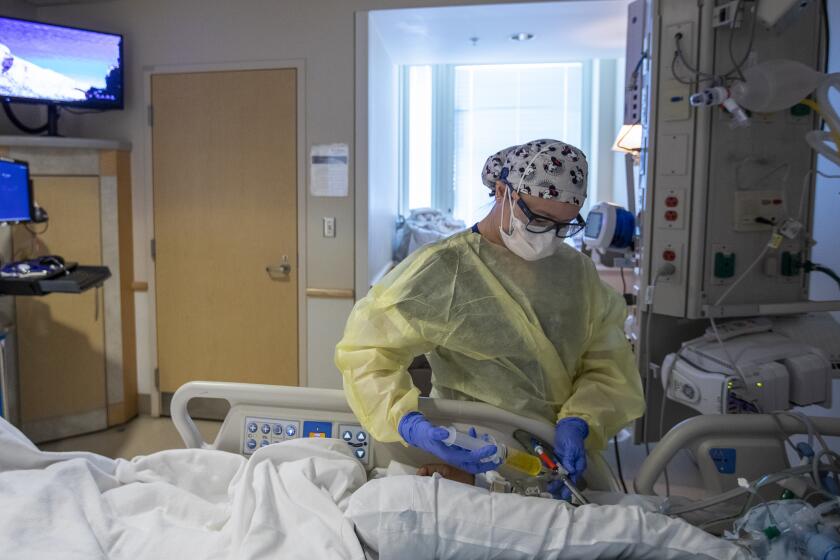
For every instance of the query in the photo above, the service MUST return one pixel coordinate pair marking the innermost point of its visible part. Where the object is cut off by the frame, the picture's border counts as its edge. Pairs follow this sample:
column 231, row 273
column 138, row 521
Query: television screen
column 15, row 193
column 45, row 63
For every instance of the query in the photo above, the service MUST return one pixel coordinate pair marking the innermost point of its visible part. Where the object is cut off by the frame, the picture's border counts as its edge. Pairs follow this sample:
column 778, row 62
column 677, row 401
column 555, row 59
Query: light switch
column 329, row 227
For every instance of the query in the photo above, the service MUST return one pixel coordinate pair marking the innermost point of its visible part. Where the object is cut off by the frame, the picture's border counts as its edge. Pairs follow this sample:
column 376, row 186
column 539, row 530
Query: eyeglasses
column 542, row 224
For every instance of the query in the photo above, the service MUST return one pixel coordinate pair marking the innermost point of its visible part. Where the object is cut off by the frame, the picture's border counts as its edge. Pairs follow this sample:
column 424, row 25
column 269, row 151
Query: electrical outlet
column 671, row 206
column 671, row 254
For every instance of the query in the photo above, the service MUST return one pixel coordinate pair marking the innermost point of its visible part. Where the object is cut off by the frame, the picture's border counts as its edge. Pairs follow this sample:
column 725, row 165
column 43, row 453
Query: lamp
column 629, row 141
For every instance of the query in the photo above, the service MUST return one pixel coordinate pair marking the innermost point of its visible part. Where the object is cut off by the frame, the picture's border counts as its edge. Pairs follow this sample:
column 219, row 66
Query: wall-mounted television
column 57, row 65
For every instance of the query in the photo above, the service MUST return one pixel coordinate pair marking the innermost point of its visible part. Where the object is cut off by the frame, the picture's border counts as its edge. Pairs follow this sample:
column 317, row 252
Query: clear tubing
column 825, row 142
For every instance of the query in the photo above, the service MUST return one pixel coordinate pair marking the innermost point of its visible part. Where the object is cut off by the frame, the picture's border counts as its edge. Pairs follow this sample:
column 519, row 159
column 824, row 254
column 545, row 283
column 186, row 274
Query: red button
column 671, row 215
column 672, row 202
column 669, row 255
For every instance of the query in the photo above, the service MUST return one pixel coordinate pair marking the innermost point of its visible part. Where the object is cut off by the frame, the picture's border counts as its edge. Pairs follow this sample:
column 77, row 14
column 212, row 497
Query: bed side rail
column 694, row 430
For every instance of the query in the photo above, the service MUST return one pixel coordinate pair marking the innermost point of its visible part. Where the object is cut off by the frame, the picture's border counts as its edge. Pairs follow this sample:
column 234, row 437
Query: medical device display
column 744, row 367
column 518, row 460
column 609, row 227
column 43, row 63
column 260, row 432
column 15, row 192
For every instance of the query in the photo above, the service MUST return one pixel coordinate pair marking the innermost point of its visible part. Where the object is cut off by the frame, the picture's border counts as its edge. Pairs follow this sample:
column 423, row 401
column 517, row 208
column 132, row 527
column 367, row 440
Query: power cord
column 667, row 269
column 618, row 464
column 809, row 267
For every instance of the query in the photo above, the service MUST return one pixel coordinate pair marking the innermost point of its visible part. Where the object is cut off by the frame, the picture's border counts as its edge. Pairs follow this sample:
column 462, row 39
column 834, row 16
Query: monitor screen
column 593, row 225
column 44, row 63
column 15, row 194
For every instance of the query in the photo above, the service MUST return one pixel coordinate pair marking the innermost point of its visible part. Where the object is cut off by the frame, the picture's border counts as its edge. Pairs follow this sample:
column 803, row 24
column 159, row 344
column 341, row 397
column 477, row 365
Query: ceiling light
column 522, row 36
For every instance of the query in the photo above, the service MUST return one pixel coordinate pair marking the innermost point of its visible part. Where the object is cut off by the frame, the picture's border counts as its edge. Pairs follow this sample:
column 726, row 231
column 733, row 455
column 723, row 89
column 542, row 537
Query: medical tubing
column 618, row 464
column 661, row 429
column 666, row 269
column 827, row 271
column 735, row 492
column 821, row 546
column 739, row 65
column 816, row 462
column 817, row 138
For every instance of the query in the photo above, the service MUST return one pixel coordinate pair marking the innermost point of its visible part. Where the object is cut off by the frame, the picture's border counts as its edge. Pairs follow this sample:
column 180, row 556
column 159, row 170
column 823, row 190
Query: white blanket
column 286, row 502
column 293, row 500
column 424, row 517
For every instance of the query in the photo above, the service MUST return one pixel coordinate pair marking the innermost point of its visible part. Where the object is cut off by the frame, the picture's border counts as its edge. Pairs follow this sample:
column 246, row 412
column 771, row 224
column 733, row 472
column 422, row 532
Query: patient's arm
column 447, row 471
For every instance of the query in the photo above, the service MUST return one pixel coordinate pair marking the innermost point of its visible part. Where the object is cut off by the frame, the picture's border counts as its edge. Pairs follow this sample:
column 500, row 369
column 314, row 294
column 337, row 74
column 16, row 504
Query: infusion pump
column 747, row 367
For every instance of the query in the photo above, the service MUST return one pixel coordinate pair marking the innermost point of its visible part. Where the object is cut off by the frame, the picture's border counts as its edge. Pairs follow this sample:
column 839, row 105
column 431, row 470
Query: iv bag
column 775, row 85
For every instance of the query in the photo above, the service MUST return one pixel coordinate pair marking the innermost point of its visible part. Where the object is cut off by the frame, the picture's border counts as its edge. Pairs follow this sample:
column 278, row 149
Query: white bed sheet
column 293, row 500
column 286, row 502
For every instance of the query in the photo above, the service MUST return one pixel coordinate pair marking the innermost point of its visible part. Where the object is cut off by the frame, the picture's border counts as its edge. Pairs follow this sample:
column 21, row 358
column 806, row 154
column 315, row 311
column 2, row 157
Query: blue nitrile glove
column 569, row 435
column 416, row 430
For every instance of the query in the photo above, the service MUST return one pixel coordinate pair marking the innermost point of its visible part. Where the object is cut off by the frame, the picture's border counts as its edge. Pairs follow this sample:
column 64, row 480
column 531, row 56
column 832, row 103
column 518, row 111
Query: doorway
column 444, row 88
column 225, row 182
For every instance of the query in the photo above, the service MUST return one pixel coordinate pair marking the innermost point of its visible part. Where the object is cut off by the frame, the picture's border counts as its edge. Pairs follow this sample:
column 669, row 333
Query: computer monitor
column 15, row 192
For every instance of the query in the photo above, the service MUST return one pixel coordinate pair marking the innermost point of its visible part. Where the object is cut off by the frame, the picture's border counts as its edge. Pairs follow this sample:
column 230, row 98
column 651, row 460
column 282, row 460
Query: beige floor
column 141, row 436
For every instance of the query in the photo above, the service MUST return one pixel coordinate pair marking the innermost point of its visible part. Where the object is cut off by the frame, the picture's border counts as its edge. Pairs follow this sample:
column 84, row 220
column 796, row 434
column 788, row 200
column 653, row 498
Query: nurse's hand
column 416, row 430
column 569, row 435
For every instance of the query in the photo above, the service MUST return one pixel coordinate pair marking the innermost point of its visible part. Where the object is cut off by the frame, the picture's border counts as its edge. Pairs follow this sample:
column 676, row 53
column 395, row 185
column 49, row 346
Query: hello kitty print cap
column 545, row 168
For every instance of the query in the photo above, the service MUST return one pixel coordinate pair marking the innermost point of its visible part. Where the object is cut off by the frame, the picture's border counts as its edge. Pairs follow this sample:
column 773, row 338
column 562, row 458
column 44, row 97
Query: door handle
column 279, row 271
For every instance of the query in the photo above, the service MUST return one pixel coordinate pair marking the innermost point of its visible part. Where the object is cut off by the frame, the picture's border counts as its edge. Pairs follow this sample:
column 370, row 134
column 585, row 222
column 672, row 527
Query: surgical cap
column 546, row 168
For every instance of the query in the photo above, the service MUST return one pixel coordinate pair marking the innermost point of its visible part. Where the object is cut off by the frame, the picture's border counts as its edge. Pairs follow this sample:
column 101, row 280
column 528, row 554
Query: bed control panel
column 262, row 431
column 357, row 438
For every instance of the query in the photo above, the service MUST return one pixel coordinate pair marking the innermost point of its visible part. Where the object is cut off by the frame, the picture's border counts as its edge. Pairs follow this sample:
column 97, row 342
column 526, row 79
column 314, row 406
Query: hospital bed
column 724, row 447
column 260, row 415
column 318, row 495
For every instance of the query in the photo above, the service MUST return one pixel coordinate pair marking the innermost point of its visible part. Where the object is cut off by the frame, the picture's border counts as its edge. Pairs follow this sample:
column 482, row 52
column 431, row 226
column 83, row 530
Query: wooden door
column 225, row 206
column 61, row 337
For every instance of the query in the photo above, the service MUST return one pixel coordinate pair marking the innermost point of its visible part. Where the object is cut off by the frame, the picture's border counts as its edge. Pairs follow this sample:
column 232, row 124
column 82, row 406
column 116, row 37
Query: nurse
column 507, row 313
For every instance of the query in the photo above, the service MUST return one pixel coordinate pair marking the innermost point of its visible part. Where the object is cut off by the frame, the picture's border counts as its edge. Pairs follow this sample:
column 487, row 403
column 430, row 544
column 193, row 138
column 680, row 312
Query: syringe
column 523, row 462
column 561, row 473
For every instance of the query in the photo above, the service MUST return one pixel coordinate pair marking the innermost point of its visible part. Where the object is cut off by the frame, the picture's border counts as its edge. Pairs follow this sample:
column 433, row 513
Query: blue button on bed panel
column 312, row 428
column 724, row 459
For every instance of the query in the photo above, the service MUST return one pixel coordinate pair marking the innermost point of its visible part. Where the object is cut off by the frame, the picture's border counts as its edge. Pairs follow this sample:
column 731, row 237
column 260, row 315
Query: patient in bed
column 447, row 513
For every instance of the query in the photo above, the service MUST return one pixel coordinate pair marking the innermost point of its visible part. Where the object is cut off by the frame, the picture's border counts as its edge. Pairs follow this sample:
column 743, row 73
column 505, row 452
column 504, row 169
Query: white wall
column 827, row 207
column 826, row 210
column 383, row 157
column 186, row 32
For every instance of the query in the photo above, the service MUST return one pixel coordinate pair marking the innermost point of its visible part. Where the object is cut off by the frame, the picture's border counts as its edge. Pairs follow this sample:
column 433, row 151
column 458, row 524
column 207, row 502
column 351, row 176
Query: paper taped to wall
column 328, row 176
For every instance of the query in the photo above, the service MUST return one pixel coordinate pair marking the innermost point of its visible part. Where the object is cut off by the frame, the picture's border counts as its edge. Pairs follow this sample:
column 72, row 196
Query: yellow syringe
column 512, row 458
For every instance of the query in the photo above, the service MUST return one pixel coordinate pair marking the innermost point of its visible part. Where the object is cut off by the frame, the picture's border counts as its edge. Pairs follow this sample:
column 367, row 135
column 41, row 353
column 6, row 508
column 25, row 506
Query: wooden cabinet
column 76, row 360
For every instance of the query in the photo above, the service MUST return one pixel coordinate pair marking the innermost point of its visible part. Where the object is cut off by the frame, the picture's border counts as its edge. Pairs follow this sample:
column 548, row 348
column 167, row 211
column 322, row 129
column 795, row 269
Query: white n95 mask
column 526, row 244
